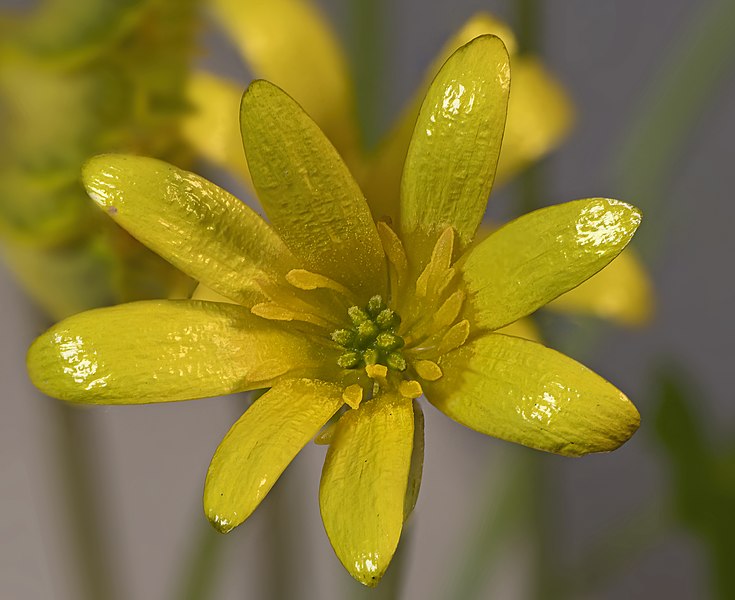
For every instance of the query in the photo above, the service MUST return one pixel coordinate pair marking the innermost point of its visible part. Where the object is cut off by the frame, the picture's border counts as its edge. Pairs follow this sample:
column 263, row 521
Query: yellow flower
column 289, row 43
column 342, row 316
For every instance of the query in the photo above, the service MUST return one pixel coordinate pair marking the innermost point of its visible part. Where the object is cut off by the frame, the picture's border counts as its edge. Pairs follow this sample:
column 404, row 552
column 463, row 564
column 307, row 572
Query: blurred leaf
column 703, row 474
column 680, row 430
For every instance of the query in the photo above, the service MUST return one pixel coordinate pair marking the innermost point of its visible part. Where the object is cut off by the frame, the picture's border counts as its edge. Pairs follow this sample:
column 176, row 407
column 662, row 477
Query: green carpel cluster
column 372, row 339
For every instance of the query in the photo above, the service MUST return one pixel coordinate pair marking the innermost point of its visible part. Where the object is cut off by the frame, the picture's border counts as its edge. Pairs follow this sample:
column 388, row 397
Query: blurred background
column 106, row 502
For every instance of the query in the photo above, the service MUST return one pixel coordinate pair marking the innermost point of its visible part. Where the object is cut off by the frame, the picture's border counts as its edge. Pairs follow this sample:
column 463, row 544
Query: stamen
column 435, row 275
column 352, row 395
column 448, row 311
column 455, row 337
column 377, row 372
column 306, row 280
column 410, row 389
column 427, row 369
column 275, row 312
column 396, row 255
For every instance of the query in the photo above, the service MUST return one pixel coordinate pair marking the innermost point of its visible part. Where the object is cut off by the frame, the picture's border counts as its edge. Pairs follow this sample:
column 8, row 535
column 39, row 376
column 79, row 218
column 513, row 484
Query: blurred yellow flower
column 289, row 43
column 342, row 316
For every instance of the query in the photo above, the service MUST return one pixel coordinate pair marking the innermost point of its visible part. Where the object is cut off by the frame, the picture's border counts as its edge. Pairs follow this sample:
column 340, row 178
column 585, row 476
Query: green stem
column 529, row 26
column 542, row 492
column 198, row 573
column 368, row 59
column 75, row 444
column 679, row 93
column 200, row 576
column 492, row 529
column 617, row 549
column 277, row 510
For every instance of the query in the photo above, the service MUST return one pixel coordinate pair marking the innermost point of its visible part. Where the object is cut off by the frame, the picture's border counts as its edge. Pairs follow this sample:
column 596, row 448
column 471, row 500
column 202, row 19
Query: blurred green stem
column 617, row 549
column 542, row 495
column 492, row 528
column 76, row 448
column 200, row 573
column 678, row 94
column 368, row 58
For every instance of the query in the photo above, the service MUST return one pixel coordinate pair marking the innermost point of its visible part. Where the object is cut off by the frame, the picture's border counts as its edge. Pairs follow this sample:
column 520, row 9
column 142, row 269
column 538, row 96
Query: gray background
column 151, row 460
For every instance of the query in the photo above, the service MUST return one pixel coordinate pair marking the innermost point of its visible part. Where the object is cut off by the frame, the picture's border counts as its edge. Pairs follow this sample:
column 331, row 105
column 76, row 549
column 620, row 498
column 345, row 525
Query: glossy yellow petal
column 539, row 116
column 620, row 292
column 539, row 256
column 289, row 43
column 455, row 146
column 521, row 391
column 364, row 484
column 165, row 350
column 261, row 444
column 212, row 126
column 308, row 193
column 198, row 227
column 382, row 181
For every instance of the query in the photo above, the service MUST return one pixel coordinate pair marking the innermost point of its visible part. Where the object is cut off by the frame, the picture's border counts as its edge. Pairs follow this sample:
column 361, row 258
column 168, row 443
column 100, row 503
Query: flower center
column 372, row 339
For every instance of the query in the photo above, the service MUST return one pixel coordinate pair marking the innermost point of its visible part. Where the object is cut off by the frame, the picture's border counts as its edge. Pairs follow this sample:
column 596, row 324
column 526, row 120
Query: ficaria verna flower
column 348, row 321
column 290, row 44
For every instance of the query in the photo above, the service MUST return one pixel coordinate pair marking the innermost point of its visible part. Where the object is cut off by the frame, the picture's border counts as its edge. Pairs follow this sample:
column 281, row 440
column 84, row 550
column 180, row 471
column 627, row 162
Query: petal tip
column 220, row 522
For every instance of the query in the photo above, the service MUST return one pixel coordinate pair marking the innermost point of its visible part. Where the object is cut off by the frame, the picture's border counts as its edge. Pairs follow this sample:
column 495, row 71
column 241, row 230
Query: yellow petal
column 289, row 43
column 165, row 350
column 364, row 485
column 212, row 126
column 521, row 391
column 308, row 193
column 382, row 181
column 620, row 292
column 198, row 227
column 455, row 146
column 539, row 256
column 261, row 444
column 539, row 116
